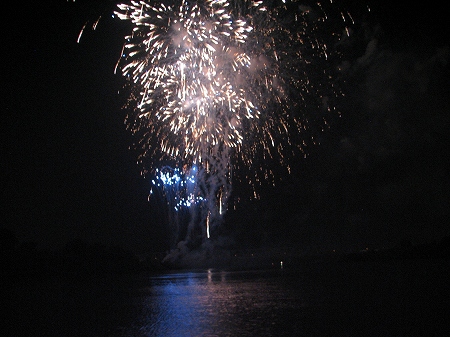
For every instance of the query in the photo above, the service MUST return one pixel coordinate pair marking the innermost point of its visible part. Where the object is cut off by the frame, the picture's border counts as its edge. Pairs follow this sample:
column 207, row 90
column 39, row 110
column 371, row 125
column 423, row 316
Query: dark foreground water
column 402, row 298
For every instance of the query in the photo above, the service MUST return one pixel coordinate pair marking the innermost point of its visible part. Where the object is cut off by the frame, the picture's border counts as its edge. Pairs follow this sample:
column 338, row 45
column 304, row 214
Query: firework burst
column 216, row 84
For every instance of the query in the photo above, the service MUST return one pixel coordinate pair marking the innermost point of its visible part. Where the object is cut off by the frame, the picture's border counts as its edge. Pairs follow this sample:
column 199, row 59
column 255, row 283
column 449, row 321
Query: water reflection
column 342, row 299
column 215, row 303
column 407, row 298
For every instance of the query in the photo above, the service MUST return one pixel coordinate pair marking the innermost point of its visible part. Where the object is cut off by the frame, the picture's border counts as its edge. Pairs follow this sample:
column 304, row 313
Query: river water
column 403, row 298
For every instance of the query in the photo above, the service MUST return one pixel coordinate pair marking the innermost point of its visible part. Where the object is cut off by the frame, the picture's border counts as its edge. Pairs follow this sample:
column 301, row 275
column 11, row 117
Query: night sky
column 379, row 177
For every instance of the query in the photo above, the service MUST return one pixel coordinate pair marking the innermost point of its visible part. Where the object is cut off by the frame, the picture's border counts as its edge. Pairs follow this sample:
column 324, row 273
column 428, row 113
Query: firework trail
column 218, row 85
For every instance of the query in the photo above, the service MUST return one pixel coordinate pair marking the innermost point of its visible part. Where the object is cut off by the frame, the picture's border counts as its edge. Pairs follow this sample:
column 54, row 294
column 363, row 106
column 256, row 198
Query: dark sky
column 380, row 175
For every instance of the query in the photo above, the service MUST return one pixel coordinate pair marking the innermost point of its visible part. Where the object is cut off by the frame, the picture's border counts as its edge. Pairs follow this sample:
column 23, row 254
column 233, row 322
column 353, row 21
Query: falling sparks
column 218, row 85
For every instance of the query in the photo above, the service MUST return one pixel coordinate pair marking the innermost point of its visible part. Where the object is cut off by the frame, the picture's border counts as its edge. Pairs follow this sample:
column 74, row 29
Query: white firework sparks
column 218, row 83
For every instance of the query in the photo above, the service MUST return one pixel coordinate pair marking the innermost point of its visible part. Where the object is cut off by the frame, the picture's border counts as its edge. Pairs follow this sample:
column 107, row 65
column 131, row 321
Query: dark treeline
column 25, row 259
column 80, row 258
column 406, row 250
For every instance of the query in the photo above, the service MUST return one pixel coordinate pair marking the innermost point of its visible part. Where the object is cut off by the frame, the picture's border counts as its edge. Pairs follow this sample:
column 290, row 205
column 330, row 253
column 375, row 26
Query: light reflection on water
column 218, row 303
column 405, row 298
column 380, row 299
